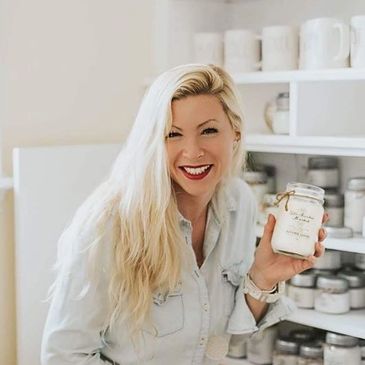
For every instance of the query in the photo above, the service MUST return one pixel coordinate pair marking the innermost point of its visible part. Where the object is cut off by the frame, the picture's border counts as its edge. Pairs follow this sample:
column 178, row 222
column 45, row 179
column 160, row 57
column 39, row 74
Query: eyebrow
column 200, row 125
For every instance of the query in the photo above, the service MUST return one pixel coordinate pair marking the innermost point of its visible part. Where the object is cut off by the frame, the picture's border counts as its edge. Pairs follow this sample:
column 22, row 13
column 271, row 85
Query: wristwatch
column 268, row 296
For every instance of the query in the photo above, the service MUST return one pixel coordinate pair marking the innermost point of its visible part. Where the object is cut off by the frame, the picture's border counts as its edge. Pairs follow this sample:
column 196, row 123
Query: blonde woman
column 158, row 265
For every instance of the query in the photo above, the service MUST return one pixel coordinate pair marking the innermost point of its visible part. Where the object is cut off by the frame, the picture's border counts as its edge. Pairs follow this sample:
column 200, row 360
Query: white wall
column 71, row 72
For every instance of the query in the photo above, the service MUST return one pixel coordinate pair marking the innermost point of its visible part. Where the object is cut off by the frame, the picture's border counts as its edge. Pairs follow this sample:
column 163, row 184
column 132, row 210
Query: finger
column 322, row 234
column 268, row 230
column 319, row 249
column 325, row 218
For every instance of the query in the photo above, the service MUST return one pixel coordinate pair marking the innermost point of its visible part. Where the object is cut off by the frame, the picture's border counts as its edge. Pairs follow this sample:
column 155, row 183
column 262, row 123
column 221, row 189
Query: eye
column 173, row 134
column 210, row 131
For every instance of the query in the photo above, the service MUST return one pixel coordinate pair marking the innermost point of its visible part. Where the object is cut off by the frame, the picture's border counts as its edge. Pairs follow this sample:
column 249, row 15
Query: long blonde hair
column 135, row 206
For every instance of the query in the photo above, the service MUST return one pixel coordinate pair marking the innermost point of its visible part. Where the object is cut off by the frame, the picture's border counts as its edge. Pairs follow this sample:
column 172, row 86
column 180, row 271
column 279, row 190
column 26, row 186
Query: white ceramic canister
column 323, row 172
column 258, row 183
column 281, row 119
column 271, row 176
column 355, row 203
column 310, row 354
column 334, row 206
column 286, row 352
column 237, row 346
column 260, row 346
column 330, row 260
column 268, row 207
column 332, row 295
column 299, row 219
column 341, row 349
column 360, row 261
column 301, row 289
column 356, row 282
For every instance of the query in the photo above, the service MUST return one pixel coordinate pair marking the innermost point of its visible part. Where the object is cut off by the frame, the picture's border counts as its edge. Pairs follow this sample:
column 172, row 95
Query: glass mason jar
column 286, row 352
column 301, row 289
column 311, row 354
column 355, row 203
column 332, row 295
column 341, row 349
column 299, row 219
column 323, row 172
column 330, row 260
column 280, row 123
column 257, row 180
column 334, row 206
column 356, row 282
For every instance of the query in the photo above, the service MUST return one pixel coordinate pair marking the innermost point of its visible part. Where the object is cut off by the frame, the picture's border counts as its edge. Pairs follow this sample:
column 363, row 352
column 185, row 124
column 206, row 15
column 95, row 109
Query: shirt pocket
column 231, row 281
column 167, row 313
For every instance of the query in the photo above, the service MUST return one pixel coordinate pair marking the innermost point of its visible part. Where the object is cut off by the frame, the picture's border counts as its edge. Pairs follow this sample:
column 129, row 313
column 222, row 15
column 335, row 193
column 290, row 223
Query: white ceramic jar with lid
column 286, row 352
column 332, row 295
column 330, row 260
column 341, row 349
column 281, row 120
column 311, row 354
column 270, row 171
column 334, row 206
column 257, row 180
column 323, row 172
column 301, row 289
column 356, row 282
column 355, row 204
column 299, row 219
column 268, row 207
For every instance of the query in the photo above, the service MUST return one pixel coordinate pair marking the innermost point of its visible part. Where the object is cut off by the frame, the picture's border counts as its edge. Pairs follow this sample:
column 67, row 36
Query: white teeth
column 197, row 170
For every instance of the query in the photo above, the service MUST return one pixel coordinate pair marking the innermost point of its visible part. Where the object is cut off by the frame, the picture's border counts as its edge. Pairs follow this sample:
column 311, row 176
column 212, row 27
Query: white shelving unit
column 6, row 183
column 326, row 106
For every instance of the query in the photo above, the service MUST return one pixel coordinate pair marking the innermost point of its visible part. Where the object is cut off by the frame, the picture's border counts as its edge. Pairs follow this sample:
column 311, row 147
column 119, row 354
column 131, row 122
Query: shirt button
column 202, row 340
column 205, row 307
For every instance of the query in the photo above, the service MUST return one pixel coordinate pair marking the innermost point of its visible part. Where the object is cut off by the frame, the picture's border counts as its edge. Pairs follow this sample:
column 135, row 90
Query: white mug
column 358, row 41
column 324, row 43
column 208, row 48
column 241, row 51
column 280, row 48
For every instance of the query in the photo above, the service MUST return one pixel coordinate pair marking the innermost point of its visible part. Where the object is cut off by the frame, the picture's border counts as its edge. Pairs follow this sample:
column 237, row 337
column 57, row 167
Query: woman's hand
column 269, row 267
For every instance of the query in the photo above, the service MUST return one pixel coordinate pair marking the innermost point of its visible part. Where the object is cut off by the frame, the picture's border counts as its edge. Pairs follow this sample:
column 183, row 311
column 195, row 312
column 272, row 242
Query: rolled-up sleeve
column 242, row 320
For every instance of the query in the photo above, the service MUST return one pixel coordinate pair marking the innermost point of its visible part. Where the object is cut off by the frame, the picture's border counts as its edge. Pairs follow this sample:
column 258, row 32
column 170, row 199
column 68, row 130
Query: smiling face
column 199, row 145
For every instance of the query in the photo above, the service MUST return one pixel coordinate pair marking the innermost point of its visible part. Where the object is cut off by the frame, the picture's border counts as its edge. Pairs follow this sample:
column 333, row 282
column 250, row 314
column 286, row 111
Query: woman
column 158, row 265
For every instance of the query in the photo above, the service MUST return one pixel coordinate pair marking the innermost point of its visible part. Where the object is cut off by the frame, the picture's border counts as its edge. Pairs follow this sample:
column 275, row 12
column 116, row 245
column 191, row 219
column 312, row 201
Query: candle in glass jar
column 298, row 220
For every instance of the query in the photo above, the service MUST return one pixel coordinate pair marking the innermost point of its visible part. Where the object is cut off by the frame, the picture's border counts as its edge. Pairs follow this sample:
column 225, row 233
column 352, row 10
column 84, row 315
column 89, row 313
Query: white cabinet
column 327, row 107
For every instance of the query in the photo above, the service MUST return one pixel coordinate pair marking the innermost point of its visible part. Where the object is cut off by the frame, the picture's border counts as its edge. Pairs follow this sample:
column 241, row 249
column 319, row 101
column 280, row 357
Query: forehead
column 197, row 109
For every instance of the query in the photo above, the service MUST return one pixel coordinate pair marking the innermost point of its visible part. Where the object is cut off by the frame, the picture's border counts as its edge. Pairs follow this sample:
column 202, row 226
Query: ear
column 237, row 137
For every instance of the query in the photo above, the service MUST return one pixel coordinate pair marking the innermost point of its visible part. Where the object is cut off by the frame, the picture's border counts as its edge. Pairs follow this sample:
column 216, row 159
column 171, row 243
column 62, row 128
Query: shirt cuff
column 242, row 320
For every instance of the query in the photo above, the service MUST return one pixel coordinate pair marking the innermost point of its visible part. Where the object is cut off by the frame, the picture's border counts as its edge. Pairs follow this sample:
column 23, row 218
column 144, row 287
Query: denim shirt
column 192, row 324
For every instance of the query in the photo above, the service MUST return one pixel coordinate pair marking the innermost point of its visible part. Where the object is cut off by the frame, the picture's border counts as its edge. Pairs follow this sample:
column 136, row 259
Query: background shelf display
column 342, row 323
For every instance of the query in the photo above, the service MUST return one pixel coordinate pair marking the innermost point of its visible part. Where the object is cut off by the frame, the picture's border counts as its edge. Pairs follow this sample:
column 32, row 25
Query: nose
column 192, row 148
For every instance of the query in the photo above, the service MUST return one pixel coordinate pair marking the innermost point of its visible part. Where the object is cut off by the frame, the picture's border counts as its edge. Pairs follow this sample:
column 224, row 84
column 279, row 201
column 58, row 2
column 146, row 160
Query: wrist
column 260, row 281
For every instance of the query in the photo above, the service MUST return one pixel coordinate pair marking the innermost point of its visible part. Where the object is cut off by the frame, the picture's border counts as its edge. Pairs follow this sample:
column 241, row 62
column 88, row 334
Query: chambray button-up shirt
column 192, row 324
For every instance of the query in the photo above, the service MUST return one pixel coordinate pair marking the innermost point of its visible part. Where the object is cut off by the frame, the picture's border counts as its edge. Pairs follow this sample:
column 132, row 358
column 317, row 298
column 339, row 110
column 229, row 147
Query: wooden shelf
column 351, row 323
column 262, row 77
column 330, row 146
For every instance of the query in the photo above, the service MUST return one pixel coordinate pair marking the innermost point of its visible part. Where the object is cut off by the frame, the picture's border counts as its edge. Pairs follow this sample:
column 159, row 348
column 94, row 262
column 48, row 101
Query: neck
column 192, row 208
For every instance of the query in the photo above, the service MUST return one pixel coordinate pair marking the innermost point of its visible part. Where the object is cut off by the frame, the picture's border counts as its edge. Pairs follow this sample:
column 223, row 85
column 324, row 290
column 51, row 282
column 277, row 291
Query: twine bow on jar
column 281, row 196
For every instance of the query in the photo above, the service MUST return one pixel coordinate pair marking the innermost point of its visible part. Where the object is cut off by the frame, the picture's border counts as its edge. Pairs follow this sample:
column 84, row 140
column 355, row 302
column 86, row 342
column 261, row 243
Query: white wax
column 354, row 209
column 296, row 230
